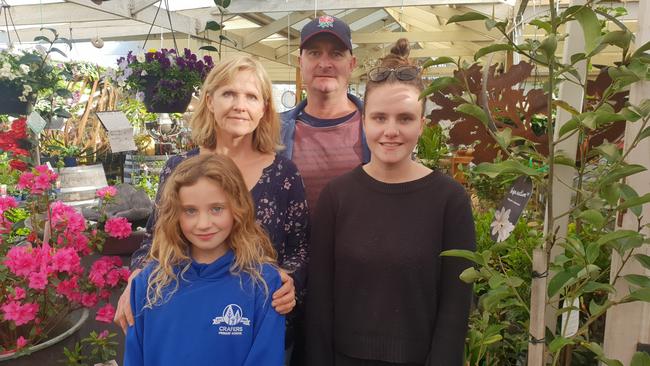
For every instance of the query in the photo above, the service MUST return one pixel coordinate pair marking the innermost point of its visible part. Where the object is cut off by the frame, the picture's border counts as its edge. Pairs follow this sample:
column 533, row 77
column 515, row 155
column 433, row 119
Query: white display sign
column 120, row 131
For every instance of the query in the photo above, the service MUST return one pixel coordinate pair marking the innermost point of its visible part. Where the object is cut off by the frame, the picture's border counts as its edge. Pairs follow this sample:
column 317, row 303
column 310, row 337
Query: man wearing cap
column 323, row 134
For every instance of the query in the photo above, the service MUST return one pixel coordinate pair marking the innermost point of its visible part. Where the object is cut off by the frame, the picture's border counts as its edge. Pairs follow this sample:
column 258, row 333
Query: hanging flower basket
column 10, row 103
column 155, row 105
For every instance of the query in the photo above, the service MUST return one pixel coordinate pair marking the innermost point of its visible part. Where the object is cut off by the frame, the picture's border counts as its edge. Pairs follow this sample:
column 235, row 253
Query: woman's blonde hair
column 170, row 249
column 266, row 137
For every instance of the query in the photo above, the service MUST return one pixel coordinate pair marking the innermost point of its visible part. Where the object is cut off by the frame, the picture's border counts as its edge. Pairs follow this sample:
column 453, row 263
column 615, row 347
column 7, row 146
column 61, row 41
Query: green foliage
column 499, row 327
column 96, row 348
column 431, row 145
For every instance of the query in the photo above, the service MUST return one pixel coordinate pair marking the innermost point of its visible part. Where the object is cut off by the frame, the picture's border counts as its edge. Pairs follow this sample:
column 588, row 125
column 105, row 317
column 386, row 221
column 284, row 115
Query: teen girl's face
column 205, row 219
column 238, row 106
column 393, row 123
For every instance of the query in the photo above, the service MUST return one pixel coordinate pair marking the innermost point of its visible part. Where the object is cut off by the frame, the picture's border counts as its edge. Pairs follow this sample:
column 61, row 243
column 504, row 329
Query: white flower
column 144, row 73
column 24, row 68
column 22, row 98
column 27, row 90
column 501, row 226
column 140, row 57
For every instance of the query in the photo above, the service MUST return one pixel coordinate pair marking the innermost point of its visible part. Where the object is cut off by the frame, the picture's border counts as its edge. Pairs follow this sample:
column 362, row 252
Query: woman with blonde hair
column 236, row 117
column 203, row 297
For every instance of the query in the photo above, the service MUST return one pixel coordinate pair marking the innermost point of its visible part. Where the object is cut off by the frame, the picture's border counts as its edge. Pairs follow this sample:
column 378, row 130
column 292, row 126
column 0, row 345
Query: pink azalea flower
column 118, row 227
column 20, row 261
column 37, row 280
column 113, row 277
column 106, row 313
column 21, row 342
column 66, row 217
column 19, row 294
column 106, row 192
column 103, row 334
column 20, row 314
column 7, row 202
column 68, row 287
column 25, row 180
column 66, row 260
column 89, row 300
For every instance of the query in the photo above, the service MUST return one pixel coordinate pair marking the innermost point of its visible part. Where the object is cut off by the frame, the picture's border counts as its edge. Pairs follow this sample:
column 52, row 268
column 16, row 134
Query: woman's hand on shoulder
column 284, row 299
column 123, row 314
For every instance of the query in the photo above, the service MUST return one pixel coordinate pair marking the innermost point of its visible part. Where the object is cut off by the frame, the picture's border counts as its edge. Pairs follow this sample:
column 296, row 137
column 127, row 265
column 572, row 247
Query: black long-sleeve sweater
column 378, row 288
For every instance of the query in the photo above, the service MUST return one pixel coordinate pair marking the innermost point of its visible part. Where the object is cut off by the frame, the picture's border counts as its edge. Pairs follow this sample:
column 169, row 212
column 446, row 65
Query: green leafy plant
column 431, row 145
column 212, row 25
column 94, row 349
column 581, row 281
column 33, row 73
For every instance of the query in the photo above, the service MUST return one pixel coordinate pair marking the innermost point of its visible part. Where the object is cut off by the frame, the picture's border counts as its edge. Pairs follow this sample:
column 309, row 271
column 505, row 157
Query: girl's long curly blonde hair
column 170, row 249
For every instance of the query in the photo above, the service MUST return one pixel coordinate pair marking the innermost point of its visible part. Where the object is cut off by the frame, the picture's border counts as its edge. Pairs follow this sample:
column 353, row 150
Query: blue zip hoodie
column 214, row 318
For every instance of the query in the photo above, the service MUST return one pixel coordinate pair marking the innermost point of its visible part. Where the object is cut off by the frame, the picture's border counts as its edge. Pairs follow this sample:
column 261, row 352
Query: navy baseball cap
column 326, row 24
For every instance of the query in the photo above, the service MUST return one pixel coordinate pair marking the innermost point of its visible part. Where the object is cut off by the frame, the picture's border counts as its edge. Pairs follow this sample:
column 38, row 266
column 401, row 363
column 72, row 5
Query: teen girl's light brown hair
column 266, row 137
column 398, row 57
column 249, row 242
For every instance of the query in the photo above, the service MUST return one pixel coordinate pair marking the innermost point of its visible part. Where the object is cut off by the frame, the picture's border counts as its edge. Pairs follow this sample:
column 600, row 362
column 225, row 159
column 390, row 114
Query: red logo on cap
column 326, row 21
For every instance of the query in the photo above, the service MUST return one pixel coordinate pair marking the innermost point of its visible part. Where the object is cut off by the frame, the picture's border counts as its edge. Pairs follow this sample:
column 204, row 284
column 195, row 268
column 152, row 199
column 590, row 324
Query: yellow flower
column 152, row 50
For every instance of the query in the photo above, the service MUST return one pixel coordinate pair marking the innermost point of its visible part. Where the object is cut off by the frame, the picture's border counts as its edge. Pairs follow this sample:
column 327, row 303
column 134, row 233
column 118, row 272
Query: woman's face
column 237, row 106
column 393, row 122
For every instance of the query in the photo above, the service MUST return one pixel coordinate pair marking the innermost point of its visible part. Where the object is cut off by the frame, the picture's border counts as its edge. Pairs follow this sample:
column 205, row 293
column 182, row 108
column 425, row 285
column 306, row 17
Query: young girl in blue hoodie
column 204, row 298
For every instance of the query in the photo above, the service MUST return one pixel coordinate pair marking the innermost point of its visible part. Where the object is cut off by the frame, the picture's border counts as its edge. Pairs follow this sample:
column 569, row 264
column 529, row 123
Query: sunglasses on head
column 403, row 73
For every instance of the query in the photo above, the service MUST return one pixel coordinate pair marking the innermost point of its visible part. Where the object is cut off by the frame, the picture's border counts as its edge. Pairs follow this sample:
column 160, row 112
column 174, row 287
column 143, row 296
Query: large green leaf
column 593, row 286
column 635, row 202
column 593, row 217
column 628, row 193
column 640, row 359
column 569, row 126
column 224, row 38
column 474, row 111
column 506, row 167
column 548, row 46
column 492, row 48
column 644, row 134
column 212, row 25
column 438, row 84
column 546, row 26
column 622, row 172
column 209, row 48
column 643, row 259
column 639, row 295
column 619, row 38
column 560, row 280
column 616, row 235
column 558, row 343
column 469, row 16
column 641, row 49
column 443, row 60
column 64, row 40
column 466, row 254
column 590, row 27
column 638, row 280
column 42, row 39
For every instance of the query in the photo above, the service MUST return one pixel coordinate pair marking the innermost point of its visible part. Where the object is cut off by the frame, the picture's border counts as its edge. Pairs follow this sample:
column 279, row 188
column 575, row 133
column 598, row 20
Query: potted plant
column 42, row 278
column 164, row 79
column 26, row 75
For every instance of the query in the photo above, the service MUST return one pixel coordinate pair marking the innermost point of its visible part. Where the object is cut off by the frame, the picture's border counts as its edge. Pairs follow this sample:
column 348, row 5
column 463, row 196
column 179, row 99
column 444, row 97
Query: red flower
column 18, row 165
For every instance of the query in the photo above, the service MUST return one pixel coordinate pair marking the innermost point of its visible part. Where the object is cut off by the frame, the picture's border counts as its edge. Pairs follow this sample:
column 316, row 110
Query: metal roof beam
column 269, row 6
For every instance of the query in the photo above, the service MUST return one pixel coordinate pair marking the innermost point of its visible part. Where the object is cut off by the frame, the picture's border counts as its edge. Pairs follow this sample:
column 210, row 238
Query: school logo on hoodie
column 231, row 320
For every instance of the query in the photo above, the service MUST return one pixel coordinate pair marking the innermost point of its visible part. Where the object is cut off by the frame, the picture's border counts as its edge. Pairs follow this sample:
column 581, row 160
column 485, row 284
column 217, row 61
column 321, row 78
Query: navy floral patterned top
column 281, row 209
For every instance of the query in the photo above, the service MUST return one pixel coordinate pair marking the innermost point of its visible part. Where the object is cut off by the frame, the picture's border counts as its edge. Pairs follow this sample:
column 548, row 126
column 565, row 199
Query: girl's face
column 238, row 106
column 393, row 123
column 205, row 219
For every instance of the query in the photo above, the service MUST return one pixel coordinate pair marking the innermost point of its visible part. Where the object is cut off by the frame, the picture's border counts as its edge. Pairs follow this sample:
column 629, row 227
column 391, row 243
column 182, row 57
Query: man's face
column 326, row 65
